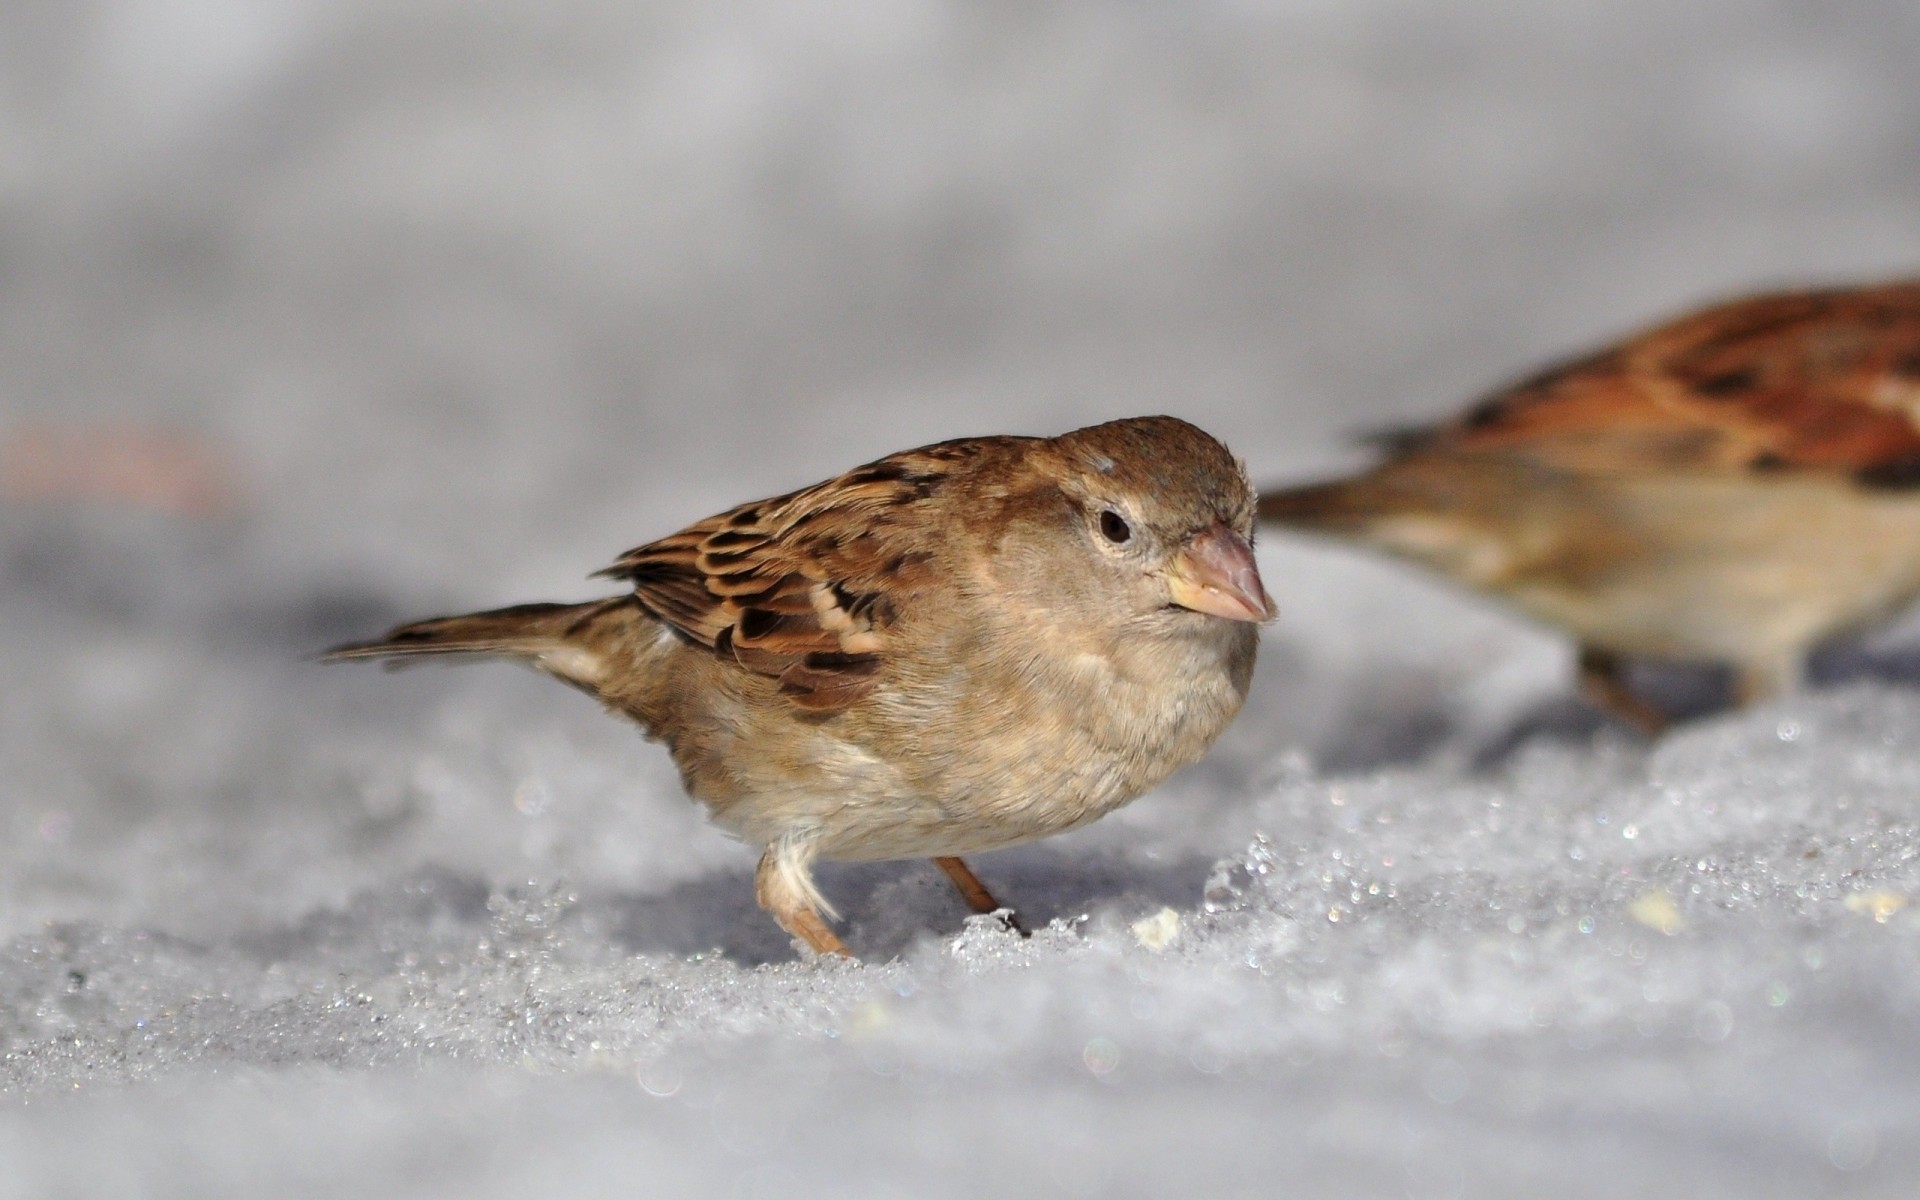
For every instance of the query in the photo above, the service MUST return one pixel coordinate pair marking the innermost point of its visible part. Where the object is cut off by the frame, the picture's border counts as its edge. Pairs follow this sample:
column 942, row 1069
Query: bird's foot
column 978, row 898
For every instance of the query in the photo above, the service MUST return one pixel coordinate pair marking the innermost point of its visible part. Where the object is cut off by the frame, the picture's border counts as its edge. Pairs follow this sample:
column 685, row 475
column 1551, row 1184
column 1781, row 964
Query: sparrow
column 1731, row 487
column 948, row 650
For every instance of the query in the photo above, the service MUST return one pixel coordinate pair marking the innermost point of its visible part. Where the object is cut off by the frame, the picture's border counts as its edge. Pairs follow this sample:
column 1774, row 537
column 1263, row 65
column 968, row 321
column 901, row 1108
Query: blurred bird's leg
column 975, row 893
column 784, row 886
column 1764, row 679
column 1603, row 683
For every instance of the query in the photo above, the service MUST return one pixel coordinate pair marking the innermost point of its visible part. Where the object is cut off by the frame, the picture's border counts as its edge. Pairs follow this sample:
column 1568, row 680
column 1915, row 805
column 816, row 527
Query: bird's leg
column 1602, row 683
column 1765, row 678
column 784, row 887
column 975, row 893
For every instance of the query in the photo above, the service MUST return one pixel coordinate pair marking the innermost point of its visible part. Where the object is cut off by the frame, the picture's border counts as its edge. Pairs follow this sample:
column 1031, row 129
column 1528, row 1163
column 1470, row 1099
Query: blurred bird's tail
column 1343, row 505
column 576, row 642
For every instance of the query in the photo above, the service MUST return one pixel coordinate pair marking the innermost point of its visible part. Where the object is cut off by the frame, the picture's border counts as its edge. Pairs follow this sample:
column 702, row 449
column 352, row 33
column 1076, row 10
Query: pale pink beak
column 1215, row 574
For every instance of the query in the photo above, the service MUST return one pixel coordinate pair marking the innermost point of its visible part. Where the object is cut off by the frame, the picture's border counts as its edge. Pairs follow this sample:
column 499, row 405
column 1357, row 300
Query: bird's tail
column 1341, row 506
column 575, row 642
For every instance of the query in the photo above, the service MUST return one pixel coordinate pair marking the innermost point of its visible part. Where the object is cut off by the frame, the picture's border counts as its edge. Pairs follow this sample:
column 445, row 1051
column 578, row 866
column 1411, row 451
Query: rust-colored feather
column 1815, row 380
column 803, row 587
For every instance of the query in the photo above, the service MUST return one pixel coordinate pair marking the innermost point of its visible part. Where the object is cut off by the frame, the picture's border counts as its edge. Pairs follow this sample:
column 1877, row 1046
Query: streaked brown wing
column 1826, row 381
column 804, row 587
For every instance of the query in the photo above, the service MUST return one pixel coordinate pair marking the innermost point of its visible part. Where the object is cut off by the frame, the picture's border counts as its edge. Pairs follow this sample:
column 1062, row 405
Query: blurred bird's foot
column 1603, row 684
column 1767, row 678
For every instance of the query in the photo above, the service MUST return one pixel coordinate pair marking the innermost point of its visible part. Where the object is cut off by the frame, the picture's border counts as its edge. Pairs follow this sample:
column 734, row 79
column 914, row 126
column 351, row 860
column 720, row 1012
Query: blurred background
column 320, row 314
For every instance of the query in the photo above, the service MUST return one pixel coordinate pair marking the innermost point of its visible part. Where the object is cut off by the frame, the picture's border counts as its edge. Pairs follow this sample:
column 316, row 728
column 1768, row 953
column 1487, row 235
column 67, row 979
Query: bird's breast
column 1007, row 748
column 1064, row 738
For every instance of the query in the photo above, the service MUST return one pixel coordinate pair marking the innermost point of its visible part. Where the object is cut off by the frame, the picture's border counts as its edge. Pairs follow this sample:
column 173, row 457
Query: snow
column 470, row 298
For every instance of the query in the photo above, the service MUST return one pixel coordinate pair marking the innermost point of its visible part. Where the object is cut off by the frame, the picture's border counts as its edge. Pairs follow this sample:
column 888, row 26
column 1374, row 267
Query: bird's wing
column 1812, row 381
column 804, row 587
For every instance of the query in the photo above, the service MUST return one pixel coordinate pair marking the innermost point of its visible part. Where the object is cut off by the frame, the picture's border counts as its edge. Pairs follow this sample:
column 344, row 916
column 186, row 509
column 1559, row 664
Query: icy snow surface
column 469, row 298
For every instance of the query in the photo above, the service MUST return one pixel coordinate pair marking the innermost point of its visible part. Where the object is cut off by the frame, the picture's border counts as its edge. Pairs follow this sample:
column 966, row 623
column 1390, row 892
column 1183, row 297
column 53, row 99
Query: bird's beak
column 1214, row 573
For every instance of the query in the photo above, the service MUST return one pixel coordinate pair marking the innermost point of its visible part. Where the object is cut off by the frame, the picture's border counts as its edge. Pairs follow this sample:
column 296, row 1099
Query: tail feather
column 1341, row 505
column 558, row 638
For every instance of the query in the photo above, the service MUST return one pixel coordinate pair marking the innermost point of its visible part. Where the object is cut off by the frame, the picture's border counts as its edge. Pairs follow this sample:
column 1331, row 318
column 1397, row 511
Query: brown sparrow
column 1731, row 487
column 948, row 650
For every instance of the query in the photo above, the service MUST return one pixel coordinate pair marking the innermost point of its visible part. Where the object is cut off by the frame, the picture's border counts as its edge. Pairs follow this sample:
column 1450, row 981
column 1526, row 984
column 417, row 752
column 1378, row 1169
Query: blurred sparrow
column 949, row 650
column 1732, row 487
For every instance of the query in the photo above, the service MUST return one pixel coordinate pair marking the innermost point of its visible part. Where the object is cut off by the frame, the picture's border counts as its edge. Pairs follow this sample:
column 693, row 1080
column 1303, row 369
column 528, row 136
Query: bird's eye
column 1115, row 528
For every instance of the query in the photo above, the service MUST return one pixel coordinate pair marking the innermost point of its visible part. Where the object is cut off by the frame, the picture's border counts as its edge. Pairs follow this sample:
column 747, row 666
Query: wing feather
column 803, row 588
column 1818, row 381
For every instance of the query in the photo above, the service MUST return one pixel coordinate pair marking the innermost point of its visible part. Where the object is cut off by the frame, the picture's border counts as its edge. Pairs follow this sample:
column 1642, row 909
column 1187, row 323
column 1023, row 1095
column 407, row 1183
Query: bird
column 945, row 651
column 1730, row 487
